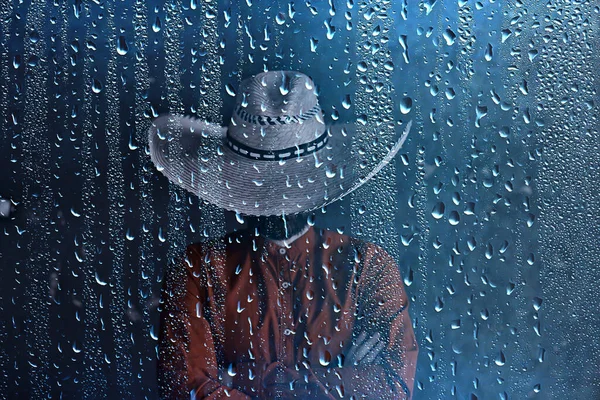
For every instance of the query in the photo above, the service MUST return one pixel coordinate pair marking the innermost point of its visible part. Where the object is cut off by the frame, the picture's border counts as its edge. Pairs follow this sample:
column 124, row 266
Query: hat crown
column 277, row 93
column 276, row 110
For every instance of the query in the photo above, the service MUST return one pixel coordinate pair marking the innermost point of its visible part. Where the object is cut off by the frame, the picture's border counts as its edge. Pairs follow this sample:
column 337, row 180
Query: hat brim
column 191, row 153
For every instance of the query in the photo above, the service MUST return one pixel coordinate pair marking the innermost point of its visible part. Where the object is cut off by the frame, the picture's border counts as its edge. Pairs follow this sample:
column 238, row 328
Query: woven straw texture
column 193, row 153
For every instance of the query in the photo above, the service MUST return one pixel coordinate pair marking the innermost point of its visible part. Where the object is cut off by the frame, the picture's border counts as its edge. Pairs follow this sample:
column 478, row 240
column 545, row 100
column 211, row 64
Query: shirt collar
column 287, row 242
column 295, row 248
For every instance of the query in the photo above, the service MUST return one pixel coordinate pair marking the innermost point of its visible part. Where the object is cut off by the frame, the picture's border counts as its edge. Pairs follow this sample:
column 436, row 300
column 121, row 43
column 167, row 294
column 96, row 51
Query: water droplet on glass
column 489, row 52
column 96, row 86
column 76, row 349
column 346, row 102
column 480, row 111
column 330, row 29
column 438, row 210
column 439, row 304
column 537, row 303
column 122, row 47
column 329, row 172
column 429, row 4
column 484, row 314
column 156, row 25
column 99, row 281
column 406, row 105
column 510, row 288
column 231, row 370
column 153, row 333
column 454, row 218
column 16, row 61
column 239, row 218
column 471, row 243
column 409, row 278
column 500, row 360
column 313, row 45
column 532, row 54
column 280, row 18
column 449, row 37
column 34, row 36
column 325, row 358
column 230, row 90
column 33, row 61
column 489, row 251
column 530, row 259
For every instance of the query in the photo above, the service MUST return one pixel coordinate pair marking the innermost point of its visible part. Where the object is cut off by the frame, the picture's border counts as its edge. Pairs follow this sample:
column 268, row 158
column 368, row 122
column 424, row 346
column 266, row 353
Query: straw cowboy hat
column 276, row 157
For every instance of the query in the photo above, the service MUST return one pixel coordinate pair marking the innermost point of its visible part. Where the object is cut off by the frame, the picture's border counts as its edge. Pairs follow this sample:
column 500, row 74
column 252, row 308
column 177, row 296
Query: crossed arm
column 379, row 364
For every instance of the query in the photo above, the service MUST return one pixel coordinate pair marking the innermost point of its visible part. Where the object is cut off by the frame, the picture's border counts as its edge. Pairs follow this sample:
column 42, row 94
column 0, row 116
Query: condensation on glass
column 489, row 210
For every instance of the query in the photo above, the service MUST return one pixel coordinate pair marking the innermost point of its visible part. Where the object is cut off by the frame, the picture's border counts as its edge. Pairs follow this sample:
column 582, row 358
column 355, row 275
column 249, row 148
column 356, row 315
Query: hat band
column 279, row 120
column 276, row 155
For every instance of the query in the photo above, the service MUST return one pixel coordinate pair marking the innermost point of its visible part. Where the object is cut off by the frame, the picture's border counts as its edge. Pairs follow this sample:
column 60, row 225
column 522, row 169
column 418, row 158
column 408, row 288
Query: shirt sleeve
column 187, row 364
column 382, row 306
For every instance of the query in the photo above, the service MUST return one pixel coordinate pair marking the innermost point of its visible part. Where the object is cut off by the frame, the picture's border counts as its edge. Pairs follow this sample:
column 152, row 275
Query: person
column 281, row 309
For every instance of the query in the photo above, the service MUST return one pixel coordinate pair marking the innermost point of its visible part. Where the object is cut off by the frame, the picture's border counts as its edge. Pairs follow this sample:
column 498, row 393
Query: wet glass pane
column 317, row 200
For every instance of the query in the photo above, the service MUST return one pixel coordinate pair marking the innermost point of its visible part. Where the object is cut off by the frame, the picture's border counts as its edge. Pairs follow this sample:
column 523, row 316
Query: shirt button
column 285, row 285
column 282, row 251
column 287, row 332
